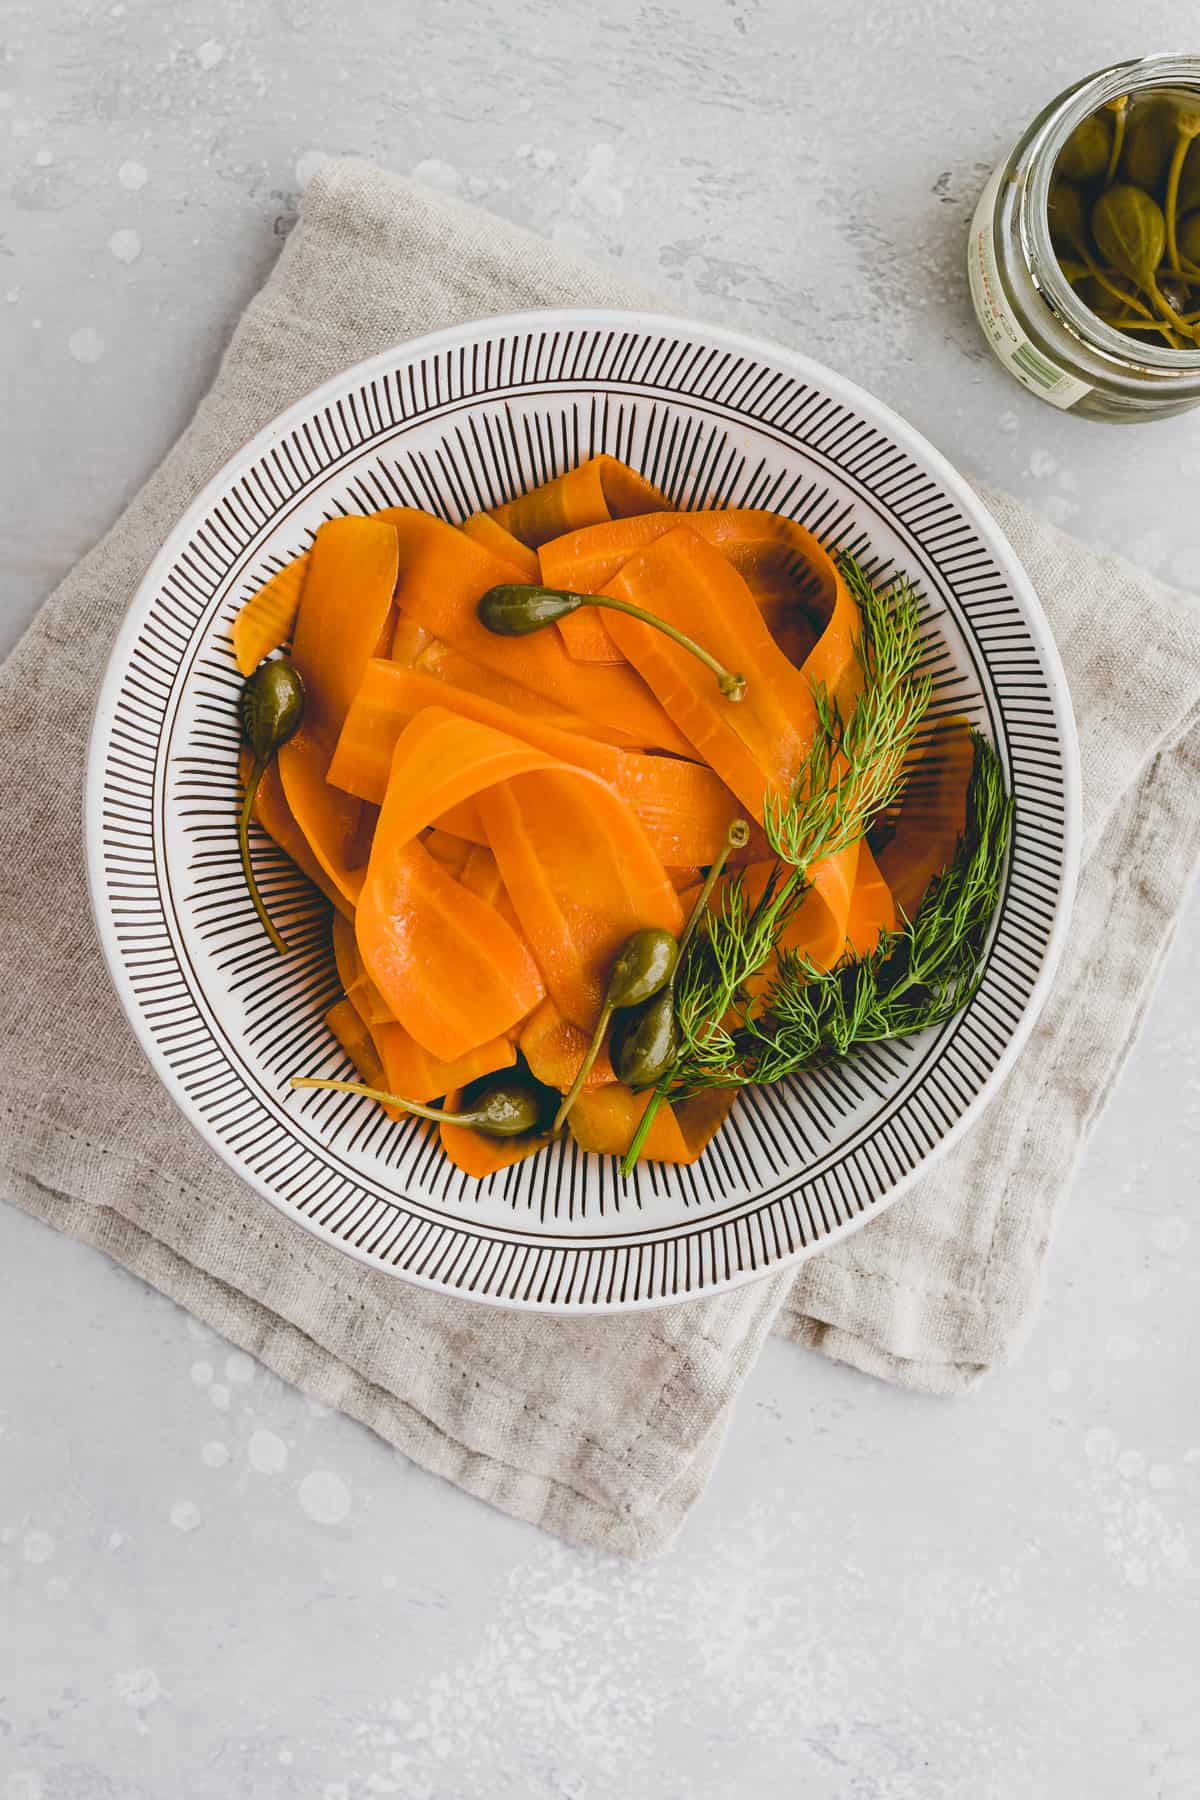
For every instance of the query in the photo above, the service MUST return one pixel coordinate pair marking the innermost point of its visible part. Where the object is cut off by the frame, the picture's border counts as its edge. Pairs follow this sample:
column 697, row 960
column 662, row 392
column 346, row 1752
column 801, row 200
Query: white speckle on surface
column 36, row 324
column 308, row 164
column 1059, row 1380
column 86, row 345
column 267, row 1453
column 37, row 1547
column 438, row 174
column 218, row 1393
column 125, row 245
column 202, row 1373
column 1042, row 465
column 132, row 176
column 1136, row 1573
column 324, row 1496
column 1130, row 1463
column 44, row 158
column 287, row 1756
column 239, row 1368
column 335, row 1790
column 214, row 1455
column 210, row 53
column 23, row 1784
column 185, row 1515
column 138, row 1688
column 597, row 188
column 57, row 1588
column 8, row 1535
column 115, row 1539
column 12, row 295
column 1100, row 1444
column 1008, row 422
column 6, row 99
column 387, row 1581
column 1159, row 1476
column 117, row 11
column 1169, row 1235
column 1120, row 1347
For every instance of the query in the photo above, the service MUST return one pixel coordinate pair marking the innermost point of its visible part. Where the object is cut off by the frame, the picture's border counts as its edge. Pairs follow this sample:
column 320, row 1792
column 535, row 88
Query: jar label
column 1001, row 326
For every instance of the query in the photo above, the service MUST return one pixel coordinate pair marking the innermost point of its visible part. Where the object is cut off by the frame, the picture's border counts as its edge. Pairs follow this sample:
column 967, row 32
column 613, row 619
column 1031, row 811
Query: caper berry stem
column 270, row 709
column 736, row 838
column 476, row 1121
column 1120, row 109
column 585, row 1068
column 732, row 686
column 514, row 609
column 252, row 785
column 1118, row 293
column 1187, row 128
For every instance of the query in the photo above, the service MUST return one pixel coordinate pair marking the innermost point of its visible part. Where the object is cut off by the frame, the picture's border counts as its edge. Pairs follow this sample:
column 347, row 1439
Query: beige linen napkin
column 602, row 1430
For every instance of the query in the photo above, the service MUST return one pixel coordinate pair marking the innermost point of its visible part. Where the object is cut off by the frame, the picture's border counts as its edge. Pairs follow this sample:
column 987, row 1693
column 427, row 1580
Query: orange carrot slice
column 581, row 875
column 872, row 908
column 605, row 1118
column 413, row 1072
column 350, row 1032
column 755, row 744
column 684, row 808
column 451, row 851
column 491, row 534
column 554, row 1048
column 265, row 621
column 445, row 664
column 791, row 575
column 452, row 971
column 601, row 488
column 274, row 815
column 344, row 608
column 817, row 929
column 478, row 1155
column 443, row 576
column 932, row 813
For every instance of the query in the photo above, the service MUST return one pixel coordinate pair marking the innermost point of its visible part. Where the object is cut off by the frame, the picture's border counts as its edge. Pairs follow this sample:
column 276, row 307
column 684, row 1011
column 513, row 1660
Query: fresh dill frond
column 917, row 976
column 736, row 1032
column 855, row 766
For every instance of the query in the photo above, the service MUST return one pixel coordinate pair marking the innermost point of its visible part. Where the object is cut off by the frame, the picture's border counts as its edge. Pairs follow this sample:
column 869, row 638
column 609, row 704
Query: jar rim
column 1045, row 139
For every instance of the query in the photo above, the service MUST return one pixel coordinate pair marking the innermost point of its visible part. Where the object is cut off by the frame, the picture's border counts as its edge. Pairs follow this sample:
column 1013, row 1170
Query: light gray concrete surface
column 208, row 1585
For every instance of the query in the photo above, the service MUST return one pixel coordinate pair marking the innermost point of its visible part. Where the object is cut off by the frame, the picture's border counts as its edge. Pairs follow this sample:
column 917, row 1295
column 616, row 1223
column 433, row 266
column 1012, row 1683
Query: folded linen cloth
column 602, row 1430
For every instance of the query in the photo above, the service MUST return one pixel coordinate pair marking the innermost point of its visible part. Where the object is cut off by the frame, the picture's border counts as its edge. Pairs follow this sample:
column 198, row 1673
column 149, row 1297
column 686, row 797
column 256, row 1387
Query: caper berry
column 645, row 1041
column 271, row 707
column 503, row 1106
column 1084, row 156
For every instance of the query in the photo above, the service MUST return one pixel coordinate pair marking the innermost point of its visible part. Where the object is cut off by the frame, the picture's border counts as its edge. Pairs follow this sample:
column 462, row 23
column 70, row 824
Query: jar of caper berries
column 1084, row 257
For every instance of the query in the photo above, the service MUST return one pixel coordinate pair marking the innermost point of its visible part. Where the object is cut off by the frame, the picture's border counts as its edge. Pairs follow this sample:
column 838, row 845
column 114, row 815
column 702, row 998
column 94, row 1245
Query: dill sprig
column 917, row 977
column 854, row 770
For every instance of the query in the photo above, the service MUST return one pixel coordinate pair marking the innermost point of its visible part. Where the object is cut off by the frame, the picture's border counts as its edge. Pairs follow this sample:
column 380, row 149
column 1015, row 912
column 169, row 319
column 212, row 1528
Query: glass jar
column 1031, row 316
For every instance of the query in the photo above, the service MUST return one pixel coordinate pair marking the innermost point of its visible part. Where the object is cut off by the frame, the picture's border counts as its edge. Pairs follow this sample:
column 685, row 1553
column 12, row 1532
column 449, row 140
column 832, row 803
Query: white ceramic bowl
column 451, row 423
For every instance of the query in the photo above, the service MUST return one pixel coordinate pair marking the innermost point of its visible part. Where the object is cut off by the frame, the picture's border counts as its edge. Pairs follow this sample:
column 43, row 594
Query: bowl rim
column 876, row 412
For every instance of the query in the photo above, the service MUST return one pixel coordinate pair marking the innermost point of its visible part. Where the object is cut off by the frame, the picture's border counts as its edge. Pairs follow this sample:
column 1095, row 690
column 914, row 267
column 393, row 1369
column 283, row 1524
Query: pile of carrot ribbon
column 491, row 817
